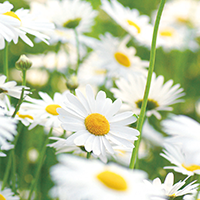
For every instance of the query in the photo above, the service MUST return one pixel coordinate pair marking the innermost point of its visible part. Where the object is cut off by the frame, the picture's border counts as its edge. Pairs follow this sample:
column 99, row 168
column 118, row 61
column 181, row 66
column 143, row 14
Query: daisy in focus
column 135, row 24
column 6, row 24
column 103, row 181
column 96, row 123
column 185, row 162
column 7, row 194
column 31, row 24
column 9, row 88
column 43, row 111
column 174, row 190
column 161, row 95
column 67, row 15
column 117, row 58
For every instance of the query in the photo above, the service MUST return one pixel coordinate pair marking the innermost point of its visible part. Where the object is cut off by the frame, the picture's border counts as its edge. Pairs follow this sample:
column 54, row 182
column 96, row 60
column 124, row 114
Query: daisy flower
column 185, row 162
column 67, row 15
column 184, row 131
column 43, row 111
column 161, row 95
column 92, row 72
column 10, row 88
column 170, row 37
column 174, row 190
column 117, row 58
column 130, row 19
column 7, row 194
column 177, row 28
column 96, row 122
column 103, row 181
column 7, row 24
column 31, row 24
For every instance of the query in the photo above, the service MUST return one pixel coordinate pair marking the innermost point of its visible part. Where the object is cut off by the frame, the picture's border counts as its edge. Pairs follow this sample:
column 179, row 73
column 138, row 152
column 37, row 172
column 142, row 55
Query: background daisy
column 103, row 181
column 161, row 95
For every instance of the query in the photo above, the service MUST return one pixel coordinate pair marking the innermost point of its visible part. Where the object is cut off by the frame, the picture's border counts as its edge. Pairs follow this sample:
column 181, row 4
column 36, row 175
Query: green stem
column 22, row 94
column 6, row 60
column 6, row 175
column 40, row 163
column 150, row 72
column 9, row 165
column 77, row 49
column 198, row 190
column 88, row 155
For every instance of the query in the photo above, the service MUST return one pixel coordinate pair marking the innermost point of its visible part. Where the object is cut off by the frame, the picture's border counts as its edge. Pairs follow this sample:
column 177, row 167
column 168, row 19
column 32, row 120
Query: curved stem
column 150, row 72
column 40, row 163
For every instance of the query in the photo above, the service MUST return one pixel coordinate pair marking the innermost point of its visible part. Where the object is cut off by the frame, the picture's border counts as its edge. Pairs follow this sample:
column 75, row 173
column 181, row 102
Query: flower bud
column 72, row 23
column 23, row 63
column 72, row 82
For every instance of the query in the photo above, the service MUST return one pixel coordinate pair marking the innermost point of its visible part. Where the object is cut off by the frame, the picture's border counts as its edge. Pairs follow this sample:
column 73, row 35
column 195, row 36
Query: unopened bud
column 72, row 82
column 24, row 63
column 72, row 23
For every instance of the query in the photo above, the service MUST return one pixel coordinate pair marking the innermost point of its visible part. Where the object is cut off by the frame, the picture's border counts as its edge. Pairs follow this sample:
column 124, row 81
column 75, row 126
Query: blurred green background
column 181, row 66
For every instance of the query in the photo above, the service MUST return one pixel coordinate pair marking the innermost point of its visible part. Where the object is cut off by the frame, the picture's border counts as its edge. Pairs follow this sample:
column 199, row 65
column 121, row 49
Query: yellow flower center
column 131, row 23
column 2, row 197
column 166, row 33
column 100, row 71
column 113, row 180
column 182, row 20
column 151, row 104
column 51, row 109
column 12, row 14
column 122, row 59
column 24, row 116
column 191, row 167
column 97, row 124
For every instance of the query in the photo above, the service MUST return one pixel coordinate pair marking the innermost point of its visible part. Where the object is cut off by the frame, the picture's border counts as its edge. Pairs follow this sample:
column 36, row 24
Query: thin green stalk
column 77, row 49
column 150, row 72
column 88, row 155
column 10, row 164
column 11, row 157
column 22, row 94
column 6, row 60
column 6, row 174
column 40, row 163
column 13, row 172
column 198, row 190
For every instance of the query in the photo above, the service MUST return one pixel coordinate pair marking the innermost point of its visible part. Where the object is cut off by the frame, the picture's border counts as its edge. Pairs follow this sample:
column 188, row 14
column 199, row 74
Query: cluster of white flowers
column 89, row 123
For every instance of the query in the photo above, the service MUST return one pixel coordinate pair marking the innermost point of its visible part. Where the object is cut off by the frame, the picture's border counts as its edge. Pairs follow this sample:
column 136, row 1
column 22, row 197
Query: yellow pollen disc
column 122, row 59
column 2, row 197
column 12, row 14
column 113, row 180
column 131, row 23
column 172, row 195
column 24, row 116
column 191, row 167
column 97, row 124
column 166, row 33
column 52, row 109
